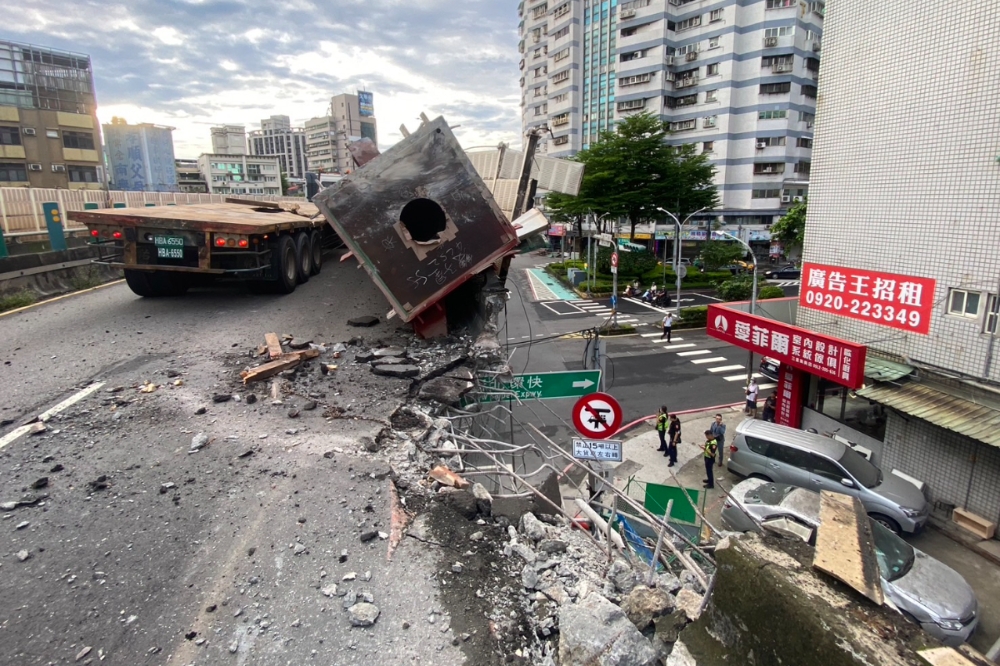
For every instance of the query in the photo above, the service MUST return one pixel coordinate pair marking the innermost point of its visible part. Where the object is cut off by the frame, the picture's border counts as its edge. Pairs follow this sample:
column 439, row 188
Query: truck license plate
column 169, row 247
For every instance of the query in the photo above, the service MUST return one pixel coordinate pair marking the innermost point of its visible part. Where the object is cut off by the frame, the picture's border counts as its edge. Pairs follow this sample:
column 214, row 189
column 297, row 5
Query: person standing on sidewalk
column 673, row 439
column 770, row 407
column 668, row 324
column 661, row 428
column 752, row 391
column 718, row 429
column 711, row 447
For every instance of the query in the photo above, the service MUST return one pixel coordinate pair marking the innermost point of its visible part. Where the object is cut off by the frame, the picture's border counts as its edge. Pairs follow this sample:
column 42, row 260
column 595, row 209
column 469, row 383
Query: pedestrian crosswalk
column 603, row 311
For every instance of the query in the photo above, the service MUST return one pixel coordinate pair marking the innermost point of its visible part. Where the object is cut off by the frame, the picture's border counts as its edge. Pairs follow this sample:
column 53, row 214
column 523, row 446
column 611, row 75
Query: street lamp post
column 677, row 250
column 753, row 296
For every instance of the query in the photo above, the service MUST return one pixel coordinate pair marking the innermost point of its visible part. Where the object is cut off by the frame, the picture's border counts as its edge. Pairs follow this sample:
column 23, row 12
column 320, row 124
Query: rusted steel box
column 419, row 219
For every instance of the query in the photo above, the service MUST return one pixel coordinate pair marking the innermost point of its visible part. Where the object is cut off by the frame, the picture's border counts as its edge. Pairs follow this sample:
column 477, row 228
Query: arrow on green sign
column 540, row 385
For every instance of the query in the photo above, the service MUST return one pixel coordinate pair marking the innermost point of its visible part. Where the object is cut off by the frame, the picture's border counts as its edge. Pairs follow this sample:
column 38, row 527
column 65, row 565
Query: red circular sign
column 614, row 259
column 597, row 415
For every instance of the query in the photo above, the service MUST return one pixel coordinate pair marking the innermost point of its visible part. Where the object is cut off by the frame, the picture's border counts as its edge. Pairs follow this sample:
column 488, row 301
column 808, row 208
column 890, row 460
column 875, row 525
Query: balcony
column 686, row 82
column 560, row 120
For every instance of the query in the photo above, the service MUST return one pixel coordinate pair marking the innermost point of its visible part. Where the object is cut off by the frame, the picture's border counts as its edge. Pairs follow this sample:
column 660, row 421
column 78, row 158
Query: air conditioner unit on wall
column 626, row 13
column 761, row 145
column 34, row 167
column 797, row 199
column 786, row 199
column 770, row 41
column 30, row 131
column 691, row 55
column 57, row 168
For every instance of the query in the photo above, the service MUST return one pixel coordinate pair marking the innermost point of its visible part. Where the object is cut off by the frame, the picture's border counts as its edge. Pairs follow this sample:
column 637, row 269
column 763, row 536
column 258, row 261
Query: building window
column 775, row 88
column 10, row 136
column 765, row 194
column 560, row 33
column 561, row 55
column 561, row 10
column 560, row 140
column 634, row 55
column 809, row 91
column 631, row 105
column 562, row 97
column 82, row 174
column 774, row 114
column 992, row 314
column 708, row 147
column 83, row 140
column 683, row 125
column 709, row 121
column 687, row 48
column 804, row 143
column 628, row 32
column 765, row 168
column 803, row 167
column 635, row 80
column 686, row 100
column 712, row 70
column 780, row 32
column 763, row 142
column 808, row 118
column 687, row 24
column 713, row 42
column 13, row 173
column 52, row 134
column 715, row 16
column 779, row 4
column 710, row 95
column 963, row 303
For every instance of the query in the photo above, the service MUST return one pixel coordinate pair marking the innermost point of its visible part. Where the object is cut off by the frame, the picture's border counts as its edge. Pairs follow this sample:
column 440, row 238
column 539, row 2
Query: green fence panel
column 657, row 497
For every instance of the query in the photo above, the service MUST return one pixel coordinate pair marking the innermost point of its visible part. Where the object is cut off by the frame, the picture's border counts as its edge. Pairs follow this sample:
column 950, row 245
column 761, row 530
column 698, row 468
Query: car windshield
column 863, row 471
column 895, row 556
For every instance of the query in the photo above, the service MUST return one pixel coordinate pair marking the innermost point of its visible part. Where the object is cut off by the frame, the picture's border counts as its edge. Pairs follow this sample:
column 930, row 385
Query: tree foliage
column 716, row 254
column 632, row 170
column 739, row 288
column 791, row 228
column 632, row 264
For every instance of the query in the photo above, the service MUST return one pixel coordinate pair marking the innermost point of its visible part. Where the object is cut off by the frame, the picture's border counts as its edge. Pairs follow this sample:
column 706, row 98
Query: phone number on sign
column 864, row 308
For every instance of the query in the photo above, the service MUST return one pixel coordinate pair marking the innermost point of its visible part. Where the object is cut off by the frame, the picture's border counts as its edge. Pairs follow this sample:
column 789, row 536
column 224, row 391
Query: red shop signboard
column 840, row 361
column 885, row 299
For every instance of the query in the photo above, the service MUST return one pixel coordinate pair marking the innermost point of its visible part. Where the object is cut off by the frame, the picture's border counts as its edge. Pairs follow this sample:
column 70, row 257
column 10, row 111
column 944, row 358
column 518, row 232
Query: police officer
column 661, row 428
column 711, row 446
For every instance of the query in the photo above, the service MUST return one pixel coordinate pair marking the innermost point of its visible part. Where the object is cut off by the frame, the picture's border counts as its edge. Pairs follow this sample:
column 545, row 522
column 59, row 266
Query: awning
column 968, row 417
column 882, row 370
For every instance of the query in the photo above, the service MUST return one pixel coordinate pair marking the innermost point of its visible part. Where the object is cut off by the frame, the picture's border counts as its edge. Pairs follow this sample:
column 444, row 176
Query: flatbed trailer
column 163, row 249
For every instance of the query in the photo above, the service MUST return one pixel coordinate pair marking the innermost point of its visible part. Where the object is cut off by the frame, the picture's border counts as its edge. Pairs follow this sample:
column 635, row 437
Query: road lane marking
column 764, row 387
column 714, row 359
column 686, row 345
column 741, row 378
column 726, row 368
column 59, row 298
column 48, row 414
column 696, row 352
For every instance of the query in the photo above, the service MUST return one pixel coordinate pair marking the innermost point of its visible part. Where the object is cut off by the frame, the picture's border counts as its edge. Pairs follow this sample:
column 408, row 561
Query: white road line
column 646, row 305
column 673, row 347
column 48, row 414
column 696, row 352
column 740, row 378
column 726, row 368
column 714, row 359
column 650, row 335
column 764, row 387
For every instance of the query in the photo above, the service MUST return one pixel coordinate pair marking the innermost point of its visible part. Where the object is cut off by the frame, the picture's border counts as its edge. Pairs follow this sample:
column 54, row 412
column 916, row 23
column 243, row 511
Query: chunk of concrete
column 533, row 528
column 401, row 371
column 595, row 632
column 644, row 605
column 445, row 390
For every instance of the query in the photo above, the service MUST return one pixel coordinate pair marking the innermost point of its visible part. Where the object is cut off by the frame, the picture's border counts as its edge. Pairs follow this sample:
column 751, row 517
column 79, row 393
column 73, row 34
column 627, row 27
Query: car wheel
column 139, row 284
column 760, row 476
column 316, row 249
column 303, row 254
column 886, row 522
column 284, row 265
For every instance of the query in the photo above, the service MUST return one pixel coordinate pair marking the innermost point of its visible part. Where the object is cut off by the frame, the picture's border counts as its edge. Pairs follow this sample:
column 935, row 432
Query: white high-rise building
column 229, row 140
column 277, row 138
column 736, row 78
column 350, row 117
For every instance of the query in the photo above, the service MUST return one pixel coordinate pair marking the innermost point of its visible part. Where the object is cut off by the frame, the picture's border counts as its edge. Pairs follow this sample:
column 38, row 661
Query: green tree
column 632, row 170
column 716, row 254
column 284, row 184
column 791, row 228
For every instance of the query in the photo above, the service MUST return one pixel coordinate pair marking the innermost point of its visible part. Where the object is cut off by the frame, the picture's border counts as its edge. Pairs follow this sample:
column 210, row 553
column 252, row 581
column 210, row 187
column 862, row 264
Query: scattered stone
column 476, row 536
column 299, row 549
column 457, row 568
column 401, row 371
column 363, row 614
column 680, row 656
column 445, row 390
column 552, row 546
column 668, row 627
column 369, row 443
column 343, row 556
column 406, row 625
column 532, row 527
column 330, row 591
column 293, row 413
column 389, row 351
column 211, row 608
column 191, row 635
column 689, row 602
column 200, row 411
column 221, row 397
column 234, row 647
column 40, row 483
column 366, row 321
column 350, row 575
column 350, row 598
column 198, row 442
column 299, row 343
column 621, row 576
column 100, row 483
column 164, row 487
column 309, row 406
column 462, row 502
column 83, row 653
column 529, row 577
column 23, row 555
column 37, row 428
column 524, row 551
column 644, row 605
column 366, row 576
column 367, row 596
column 251, row 398
column 484, row 501
column 56, row 468
column 595, row 631
column 246, row 454
column 170, row 372
column 368, row 536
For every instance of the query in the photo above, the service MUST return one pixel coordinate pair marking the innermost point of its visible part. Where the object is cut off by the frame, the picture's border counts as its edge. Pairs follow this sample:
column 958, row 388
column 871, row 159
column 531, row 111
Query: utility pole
column 677, row 249
column 753, row 296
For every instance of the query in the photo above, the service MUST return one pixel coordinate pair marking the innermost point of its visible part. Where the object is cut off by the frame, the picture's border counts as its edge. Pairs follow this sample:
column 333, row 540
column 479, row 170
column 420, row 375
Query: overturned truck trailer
column 424, row 225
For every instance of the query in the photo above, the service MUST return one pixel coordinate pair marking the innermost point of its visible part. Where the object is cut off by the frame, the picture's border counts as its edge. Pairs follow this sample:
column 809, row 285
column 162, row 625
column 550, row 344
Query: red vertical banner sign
column 790, row 383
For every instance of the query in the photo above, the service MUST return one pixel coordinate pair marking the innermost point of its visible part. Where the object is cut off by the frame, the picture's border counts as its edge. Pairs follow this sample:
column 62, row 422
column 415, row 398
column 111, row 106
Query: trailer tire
column 303, row 256
column 316, row 249
column 155, row 284
column 284, row 265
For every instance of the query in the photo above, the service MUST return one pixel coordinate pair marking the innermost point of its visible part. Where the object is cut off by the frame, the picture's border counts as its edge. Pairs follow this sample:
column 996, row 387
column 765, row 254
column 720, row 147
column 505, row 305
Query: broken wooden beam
column 273, row 345
column 286, row 362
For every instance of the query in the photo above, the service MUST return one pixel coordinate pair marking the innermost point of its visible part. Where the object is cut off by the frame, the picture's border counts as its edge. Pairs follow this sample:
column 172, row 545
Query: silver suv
column 781, row 454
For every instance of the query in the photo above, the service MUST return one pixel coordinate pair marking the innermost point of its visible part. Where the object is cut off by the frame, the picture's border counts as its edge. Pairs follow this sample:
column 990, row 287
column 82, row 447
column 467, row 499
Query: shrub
column 770, row 291
column 693, row 317
column 738, row 288
column 633, row 264
column 18, row 299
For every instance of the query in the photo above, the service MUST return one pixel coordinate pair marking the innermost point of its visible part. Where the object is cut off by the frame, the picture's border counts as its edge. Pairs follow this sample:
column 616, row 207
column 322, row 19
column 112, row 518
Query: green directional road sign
column 541, row 385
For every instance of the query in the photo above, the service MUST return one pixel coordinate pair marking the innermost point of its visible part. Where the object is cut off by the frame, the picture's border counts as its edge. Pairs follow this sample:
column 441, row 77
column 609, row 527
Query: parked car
column 926, row 591
column 770, row 367
column 786, row 455
column 789, row 272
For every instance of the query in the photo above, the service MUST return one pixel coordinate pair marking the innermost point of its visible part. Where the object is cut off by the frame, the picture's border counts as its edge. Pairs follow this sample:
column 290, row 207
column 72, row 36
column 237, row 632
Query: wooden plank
column 273, row 345
column 944, row 656
column 286, row 362
column 845, row 548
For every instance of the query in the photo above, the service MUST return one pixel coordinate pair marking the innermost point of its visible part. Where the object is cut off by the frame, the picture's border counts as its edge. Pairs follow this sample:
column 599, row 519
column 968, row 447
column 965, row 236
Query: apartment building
column 277, row 138
column 189, row 178
column 229, row 140
column 350, row 117
column 49, row 132
column 240, row 174
column 140, row 158
column 902, row 240
column 736, row 78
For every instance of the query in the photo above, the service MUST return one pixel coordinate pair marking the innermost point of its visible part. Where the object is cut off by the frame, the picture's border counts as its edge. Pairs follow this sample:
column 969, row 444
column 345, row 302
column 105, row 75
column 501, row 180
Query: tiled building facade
column 906, row 180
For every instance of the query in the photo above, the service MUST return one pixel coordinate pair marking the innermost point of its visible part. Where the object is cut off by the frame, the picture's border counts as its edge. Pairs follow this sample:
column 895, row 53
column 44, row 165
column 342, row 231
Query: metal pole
column 753, row 297
column 614, row 283
column 677, row 266
column 659, row 545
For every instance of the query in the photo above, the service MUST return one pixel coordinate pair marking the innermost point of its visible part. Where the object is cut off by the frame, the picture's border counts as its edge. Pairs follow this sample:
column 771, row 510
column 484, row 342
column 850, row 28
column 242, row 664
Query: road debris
column 286, row 362
column 273, row 346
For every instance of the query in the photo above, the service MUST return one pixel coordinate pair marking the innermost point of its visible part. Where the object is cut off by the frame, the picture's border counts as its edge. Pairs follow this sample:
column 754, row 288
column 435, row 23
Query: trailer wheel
column 303, row 254
column 138, row 282
column 155, row 284
column 284, row 265
column 316, row 246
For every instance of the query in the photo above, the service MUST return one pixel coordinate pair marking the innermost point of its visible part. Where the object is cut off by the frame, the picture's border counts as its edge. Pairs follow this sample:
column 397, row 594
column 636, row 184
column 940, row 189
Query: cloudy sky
column 192, row 64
